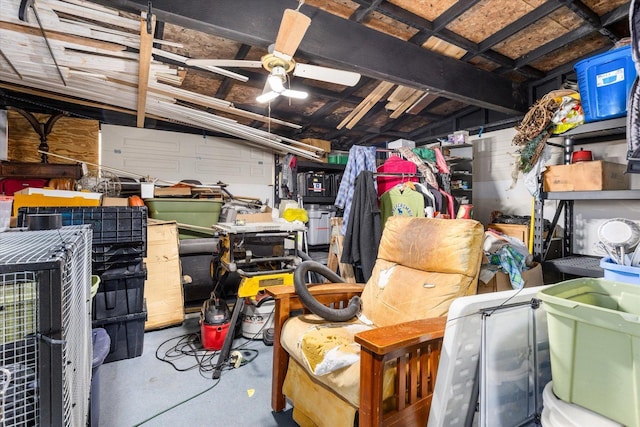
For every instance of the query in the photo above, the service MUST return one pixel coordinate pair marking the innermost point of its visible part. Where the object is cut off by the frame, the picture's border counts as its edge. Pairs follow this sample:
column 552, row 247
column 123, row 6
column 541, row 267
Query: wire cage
column 45, row 326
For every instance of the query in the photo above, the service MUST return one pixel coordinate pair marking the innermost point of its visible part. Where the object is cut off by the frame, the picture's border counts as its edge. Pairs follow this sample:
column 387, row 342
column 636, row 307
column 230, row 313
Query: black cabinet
column 313, row 182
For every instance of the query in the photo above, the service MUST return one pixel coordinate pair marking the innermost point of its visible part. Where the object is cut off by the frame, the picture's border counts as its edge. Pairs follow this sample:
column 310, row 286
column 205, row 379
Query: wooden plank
column 64, row 37
column 146, row 43
column 411, row 100
column 365, row 105
column 380, row 91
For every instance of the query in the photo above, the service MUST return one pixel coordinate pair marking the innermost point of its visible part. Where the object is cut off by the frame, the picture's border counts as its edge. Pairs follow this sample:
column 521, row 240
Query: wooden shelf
column 40, row 170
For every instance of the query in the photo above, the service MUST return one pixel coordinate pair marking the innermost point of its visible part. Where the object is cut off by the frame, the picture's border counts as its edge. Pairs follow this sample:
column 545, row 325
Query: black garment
column 364, row 228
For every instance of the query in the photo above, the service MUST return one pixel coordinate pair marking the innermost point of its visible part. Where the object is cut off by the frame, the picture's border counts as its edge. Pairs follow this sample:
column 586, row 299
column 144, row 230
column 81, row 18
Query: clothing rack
column 397, row 174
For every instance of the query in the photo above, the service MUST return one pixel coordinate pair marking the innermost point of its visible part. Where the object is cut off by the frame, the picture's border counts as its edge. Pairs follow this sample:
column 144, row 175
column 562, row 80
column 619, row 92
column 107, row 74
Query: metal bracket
column 149, row 16
column 22, row 15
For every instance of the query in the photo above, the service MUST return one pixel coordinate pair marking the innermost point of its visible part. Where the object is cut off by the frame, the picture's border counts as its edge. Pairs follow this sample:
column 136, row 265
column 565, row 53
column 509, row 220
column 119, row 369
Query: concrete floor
column 134, row 391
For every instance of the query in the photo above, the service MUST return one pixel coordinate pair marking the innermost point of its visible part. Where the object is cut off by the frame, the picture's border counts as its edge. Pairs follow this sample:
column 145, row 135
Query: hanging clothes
column 363, row 234
column 395, row 165
column 360, row 159
column 423, row 167
column 288, row 181
column 401, row 200
column 429, row 199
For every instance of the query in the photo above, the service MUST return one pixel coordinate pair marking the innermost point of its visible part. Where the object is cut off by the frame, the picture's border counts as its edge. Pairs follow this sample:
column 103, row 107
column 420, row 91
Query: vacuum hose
column 328, row 313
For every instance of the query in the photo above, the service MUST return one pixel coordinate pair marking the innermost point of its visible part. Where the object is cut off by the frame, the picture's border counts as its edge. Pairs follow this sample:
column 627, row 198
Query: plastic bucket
column 101, row 343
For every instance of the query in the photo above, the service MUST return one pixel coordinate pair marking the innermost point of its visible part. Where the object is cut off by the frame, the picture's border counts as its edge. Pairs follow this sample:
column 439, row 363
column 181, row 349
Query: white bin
column 319, row 226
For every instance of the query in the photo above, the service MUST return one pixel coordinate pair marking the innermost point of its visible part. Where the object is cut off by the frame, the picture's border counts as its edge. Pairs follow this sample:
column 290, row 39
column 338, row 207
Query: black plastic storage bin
column 111, row 224
column 121, row 292
column 126, row 334
column 106, row 259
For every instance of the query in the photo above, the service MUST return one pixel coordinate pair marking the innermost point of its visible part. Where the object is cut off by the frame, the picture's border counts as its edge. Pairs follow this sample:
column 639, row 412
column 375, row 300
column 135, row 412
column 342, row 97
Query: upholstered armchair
column 380, row 367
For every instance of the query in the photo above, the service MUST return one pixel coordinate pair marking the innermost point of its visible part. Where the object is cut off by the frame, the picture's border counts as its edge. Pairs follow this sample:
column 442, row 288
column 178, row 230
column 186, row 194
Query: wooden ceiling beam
column 367, row 51
column 144, row 63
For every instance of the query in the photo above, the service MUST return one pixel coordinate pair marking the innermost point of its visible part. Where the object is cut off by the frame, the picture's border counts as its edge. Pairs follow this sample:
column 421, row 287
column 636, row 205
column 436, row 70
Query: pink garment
column 395, row 165
column 440, row 161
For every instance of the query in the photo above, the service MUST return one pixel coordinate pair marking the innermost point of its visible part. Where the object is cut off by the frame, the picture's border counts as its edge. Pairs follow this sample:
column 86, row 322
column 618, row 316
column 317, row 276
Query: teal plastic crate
column 594, row 343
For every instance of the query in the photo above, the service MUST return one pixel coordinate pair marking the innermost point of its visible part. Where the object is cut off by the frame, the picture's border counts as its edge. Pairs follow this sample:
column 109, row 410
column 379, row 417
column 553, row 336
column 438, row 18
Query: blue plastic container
column 605, row 82
column 620, row 273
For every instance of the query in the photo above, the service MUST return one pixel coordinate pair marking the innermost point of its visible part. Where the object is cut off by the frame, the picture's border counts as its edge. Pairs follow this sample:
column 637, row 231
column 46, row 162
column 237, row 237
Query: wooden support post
column 146, row 43
column 335, row 253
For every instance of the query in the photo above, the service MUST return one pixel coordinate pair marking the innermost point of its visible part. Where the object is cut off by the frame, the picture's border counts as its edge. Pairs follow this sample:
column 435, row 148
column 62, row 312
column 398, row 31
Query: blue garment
column 512, row 262
column 360, row 159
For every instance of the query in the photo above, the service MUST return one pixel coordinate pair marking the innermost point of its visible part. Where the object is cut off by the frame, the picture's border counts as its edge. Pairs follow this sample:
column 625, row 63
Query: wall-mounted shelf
column 601, row 131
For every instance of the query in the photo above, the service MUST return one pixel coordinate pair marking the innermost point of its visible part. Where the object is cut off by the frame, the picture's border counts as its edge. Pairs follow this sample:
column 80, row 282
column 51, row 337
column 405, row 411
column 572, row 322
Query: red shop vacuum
column 215, row 318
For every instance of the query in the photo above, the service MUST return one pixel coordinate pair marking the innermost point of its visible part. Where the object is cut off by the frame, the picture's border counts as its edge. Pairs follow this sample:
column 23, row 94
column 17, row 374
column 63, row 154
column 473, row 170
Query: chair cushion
column 344, row 381
column 433, row 244
column 423, row 265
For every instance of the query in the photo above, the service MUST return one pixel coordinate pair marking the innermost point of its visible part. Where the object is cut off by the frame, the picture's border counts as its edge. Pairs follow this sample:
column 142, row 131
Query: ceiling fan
column 279, row 62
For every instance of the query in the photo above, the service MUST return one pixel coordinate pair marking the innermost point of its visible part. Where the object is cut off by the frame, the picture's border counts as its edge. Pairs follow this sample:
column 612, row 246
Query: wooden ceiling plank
column 146, row 44
column 65, row 37
column 372, row 53
column 93, row 14
column 422, row 103
column 366, row 103
column 215, row 103
column 36, row 92
column 378, row 93
column 417, row 94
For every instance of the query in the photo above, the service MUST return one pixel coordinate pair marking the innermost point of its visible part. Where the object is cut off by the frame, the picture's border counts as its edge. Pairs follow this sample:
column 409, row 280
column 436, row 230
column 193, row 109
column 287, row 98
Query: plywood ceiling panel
column 448, row 107
column 344, row 8
column 200, row 82
column 545, row 30
column 198, row 44
column 427, row 9
column 444, row 48
column 572, row 51
column 603, row 6
column 484, row 63
column 488, row 16
column 385, row 24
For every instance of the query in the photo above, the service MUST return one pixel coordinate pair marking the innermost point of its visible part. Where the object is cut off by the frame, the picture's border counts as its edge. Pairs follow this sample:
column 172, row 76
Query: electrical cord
column 189, row 346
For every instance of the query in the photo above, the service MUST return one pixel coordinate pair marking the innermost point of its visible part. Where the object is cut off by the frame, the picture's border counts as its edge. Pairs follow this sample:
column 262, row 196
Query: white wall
column 174, row 156
column 493, row 168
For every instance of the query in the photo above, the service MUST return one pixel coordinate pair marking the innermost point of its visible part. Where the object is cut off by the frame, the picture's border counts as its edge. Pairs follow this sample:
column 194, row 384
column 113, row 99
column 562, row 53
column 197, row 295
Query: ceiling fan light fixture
column 276, row 83
column 267, row 97
column 297, row 94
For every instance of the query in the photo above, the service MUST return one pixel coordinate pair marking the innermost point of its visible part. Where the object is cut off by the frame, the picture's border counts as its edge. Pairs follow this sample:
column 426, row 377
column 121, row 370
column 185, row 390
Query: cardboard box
column 163, row 287
column 595, row 175
column 519, row 231
column 322, row 144
column 501, row 282
column 255, row 217
column 172, row 191
column 115, row 201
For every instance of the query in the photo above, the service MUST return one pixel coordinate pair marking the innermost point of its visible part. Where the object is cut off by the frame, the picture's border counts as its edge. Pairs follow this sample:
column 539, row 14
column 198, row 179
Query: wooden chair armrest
column 390, row 338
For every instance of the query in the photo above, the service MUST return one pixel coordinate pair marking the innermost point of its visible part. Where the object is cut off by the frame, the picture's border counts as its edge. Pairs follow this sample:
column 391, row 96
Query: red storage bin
column 8, row 186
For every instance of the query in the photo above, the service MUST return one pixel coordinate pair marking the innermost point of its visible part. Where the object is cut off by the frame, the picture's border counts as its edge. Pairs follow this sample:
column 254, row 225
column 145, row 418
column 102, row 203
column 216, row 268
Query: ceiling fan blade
column 325, row 74
column 292, row 29
column 239, row 63
column 298, row 94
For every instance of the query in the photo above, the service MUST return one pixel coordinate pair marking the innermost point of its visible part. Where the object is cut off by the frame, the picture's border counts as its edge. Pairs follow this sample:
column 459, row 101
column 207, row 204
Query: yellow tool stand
column 257, row 272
